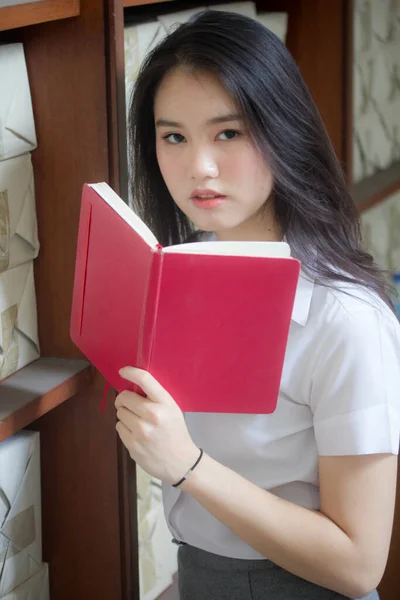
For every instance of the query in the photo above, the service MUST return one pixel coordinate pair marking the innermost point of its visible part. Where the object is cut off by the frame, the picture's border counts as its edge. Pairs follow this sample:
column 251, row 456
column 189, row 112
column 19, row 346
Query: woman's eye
column 229, row 134
column 174, row 138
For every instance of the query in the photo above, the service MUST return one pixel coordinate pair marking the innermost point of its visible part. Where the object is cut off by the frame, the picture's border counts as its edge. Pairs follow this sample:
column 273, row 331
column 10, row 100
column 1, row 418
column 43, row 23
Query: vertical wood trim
column 116, row 108
column 80, row 521
column 118, row 164
column 128, row 525
column 319, row 53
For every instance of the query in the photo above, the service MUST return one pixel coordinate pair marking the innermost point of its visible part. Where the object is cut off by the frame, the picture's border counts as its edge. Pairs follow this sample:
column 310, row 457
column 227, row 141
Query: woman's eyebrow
column 221, row 119
column 225, row 119
column 166, row 123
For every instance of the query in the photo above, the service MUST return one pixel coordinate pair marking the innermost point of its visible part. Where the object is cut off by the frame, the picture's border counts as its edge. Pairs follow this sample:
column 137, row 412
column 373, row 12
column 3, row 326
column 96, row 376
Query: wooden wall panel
column 115, row 69
column 80, row 499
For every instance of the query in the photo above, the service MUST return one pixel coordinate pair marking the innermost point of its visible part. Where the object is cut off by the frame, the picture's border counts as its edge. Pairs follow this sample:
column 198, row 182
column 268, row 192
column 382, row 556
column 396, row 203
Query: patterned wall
column 376, row 86
column 381, row 232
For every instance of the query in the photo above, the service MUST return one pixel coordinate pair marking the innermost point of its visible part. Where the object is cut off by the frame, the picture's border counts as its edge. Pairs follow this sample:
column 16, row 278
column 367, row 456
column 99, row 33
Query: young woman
column 297, row 504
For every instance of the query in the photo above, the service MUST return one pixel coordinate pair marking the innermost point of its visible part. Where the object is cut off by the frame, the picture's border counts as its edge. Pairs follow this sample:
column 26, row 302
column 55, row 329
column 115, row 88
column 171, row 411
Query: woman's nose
column 203, row 164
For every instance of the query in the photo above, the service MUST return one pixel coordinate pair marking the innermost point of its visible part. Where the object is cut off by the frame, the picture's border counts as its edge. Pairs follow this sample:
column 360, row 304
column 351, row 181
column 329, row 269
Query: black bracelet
column 188, row 474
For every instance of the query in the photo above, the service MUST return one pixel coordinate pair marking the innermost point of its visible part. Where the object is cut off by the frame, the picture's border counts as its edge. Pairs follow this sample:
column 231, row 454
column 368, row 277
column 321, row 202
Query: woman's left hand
column 153, row 429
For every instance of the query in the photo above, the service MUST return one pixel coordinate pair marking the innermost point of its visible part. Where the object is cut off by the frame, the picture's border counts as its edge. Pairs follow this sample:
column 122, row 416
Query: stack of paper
column 277, row 22
column 171, row 20
column 35, row 588
column 158, row 561
column 18, row 227
column 140, row 39
column 19, row 243
column 20, row 513
column 17, row 126
column 19, row 341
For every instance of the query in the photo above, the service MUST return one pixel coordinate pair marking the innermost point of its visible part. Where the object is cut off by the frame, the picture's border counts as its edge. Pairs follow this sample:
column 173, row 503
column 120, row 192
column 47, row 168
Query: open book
column 209, row 320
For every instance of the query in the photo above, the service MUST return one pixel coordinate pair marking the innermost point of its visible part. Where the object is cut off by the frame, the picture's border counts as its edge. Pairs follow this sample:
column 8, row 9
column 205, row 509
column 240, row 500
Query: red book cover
column 209, row 320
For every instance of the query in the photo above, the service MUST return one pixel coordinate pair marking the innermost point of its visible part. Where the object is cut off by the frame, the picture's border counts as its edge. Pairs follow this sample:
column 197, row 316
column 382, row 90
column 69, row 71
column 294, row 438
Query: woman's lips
column 208, row 202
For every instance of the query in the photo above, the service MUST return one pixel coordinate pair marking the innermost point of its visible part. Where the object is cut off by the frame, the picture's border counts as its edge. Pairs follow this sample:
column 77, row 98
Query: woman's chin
column 216, row 224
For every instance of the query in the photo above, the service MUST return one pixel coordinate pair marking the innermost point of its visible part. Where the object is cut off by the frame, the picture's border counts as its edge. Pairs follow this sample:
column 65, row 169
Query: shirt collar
column 302, row 300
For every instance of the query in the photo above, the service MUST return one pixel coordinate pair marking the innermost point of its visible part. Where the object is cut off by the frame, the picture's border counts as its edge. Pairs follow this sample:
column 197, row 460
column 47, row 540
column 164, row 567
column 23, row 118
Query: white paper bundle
column 19, row 344
column 157, row 554
column 171, row 20
column 139, row 40
column 18, row 224
column 17, row 127
column 36, row 588
column 247, row 9
column 277, row 22
column 20, row 511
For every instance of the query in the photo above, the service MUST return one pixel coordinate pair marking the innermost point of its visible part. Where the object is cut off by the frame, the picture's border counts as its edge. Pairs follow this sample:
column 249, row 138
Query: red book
column 209, row 320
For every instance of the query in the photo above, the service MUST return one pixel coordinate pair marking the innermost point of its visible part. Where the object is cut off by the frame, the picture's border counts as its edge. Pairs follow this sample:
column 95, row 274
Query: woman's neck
column 259, row 229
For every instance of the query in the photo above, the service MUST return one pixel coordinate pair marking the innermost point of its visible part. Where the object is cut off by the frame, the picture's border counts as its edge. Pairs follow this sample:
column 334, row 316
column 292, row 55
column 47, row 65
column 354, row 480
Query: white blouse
column 339, row 395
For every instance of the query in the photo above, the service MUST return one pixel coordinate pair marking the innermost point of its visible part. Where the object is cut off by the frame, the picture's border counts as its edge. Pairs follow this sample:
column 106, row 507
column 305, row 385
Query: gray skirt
column 206, row 576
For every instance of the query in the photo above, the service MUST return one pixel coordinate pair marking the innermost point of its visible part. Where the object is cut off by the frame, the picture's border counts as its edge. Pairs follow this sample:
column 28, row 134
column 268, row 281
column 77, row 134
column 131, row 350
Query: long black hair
column 312, row 204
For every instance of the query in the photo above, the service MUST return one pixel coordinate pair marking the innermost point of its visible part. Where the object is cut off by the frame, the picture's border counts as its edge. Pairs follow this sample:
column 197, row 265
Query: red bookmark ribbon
column 103, row 404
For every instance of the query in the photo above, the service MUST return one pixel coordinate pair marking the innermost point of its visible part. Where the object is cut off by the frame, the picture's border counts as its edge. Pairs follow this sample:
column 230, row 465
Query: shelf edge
column 22, row 15
column 377, row 188
column 44, row 402
column 129, row 3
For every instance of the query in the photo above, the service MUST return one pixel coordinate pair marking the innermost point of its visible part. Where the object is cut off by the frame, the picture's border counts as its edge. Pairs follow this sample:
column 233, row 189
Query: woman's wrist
column 197, row 478
column 189, row 471
column 182, row 463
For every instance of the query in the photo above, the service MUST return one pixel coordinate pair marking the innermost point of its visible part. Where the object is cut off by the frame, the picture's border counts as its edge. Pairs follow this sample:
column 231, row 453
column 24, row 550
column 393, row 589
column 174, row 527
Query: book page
column 272, row 249
column 125, row 212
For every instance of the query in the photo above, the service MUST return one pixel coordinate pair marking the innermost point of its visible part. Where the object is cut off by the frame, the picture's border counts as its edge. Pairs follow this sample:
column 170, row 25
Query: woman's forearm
column 300, row 540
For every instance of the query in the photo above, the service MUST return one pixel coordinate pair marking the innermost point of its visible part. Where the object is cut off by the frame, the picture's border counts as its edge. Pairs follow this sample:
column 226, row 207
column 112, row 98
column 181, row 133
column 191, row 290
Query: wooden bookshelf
column 76, row 74
column 32, row 13
column 88, row 515
column 377, row 187
column 38, row 388
column 128, row 3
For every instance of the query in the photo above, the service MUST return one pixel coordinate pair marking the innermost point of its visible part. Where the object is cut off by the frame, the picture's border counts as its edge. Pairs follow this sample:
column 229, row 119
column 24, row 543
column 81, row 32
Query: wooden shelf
column 37, row 389
column 377, row 187
column 40, row 11
column 142, row 2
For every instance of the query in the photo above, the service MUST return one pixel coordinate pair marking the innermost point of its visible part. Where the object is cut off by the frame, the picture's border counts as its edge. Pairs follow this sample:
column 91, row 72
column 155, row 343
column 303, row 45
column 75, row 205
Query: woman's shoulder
column 342, row 304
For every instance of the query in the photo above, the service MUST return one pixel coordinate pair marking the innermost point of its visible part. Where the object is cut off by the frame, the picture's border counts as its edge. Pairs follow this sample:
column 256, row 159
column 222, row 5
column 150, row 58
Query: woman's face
column 207, row 159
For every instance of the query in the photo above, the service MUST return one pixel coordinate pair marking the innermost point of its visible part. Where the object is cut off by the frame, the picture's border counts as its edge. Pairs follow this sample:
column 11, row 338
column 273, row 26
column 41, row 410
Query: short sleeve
column 355, row 391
